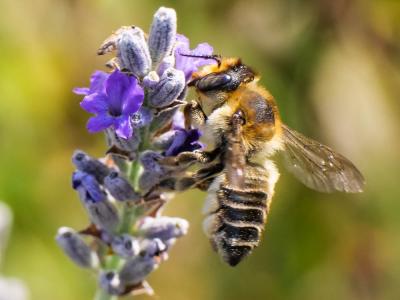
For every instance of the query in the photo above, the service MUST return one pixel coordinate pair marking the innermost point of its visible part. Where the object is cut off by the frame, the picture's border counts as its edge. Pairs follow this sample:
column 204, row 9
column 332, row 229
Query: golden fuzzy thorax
column 261, row 138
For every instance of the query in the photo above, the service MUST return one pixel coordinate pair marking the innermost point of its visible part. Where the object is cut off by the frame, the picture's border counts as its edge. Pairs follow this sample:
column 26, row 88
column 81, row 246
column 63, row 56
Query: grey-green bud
column 162, row 34
column 110, row 282
column 170, row 86
column 103, row 214
column 125, row 246
column 76, row 249
column 134, row 52
column 120, row 188
column 136, row 270
column 88, row 164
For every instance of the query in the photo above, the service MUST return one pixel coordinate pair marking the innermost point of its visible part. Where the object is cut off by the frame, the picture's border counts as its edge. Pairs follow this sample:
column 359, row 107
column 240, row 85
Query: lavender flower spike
column 114, row 107
column 162, row 34
column 138, row 106
column 170, row 86
column 134, row 52
column 74, row 246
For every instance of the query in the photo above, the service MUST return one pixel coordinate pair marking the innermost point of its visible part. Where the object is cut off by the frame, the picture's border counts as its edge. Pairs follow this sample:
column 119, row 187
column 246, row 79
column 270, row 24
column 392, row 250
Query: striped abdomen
column 236, row 217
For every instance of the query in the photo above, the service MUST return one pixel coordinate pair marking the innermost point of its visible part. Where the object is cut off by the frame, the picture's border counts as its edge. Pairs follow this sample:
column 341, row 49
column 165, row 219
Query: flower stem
column 102, row 295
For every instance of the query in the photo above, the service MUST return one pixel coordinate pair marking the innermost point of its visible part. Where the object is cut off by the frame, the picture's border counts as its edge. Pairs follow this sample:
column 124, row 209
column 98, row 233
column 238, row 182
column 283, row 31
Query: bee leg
column 174, row 104
column 187, row 158
column 114, row 64
column 200, row 179
column 194, row 115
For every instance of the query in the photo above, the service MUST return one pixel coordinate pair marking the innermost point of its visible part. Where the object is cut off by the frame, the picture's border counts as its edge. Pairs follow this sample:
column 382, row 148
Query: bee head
column 226, row 76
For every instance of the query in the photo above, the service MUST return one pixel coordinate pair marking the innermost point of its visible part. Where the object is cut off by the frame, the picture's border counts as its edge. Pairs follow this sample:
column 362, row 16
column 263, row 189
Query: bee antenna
column 215, row 57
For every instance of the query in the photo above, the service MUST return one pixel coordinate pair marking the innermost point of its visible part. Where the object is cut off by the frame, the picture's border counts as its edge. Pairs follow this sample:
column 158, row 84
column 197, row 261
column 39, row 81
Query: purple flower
column 184, row 140
column 114, row 105
column 190, row 64
column 88, row 187
column 96, row 84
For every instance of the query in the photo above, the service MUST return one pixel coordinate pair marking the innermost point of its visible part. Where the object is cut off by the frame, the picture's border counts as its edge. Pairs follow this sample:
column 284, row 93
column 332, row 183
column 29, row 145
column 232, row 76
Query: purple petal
column 96, row 84
column 193, row 135
column 100, row 122
column 190, row 64
column 184, row 140
column 179, row 140
column 133, row 98
column 81, row 91
column 97, row 81
column 95, row 103
column 203, row 49
column 178, row 120
column 123, row 127
column 182, row 39
column 116, row 85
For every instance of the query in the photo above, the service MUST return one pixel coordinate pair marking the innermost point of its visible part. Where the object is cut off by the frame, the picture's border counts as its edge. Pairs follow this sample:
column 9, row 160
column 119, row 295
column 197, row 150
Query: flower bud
column 74, row 246
column 162, row 33
column 125, row 246
column 148, row 180
column 152, row 247
column 120, row 188
column 151, row 80
column 103, row 214
column 164, row 140
column 88, row 187
column 89, row 165
column 111, row 283
column 134, row 52
column 129, row 145
column 166, row 63
column 163, row 118
column 170, row 86
column 136, row 270
column 150, row 161
column 164, row 228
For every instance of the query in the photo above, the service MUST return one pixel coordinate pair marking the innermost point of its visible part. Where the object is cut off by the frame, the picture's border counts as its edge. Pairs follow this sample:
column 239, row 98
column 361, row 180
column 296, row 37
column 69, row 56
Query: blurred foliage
column 333, row 67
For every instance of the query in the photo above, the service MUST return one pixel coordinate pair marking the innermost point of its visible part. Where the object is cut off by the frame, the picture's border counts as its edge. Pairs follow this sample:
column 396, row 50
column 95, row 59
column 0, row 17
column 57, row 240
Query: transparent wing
column 318, row 166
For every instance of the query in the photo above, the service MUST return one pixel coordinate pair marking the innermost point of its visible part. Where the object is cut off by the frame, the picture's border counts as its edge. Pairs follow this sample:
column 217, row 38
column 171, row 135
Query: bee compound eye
column 213, row 81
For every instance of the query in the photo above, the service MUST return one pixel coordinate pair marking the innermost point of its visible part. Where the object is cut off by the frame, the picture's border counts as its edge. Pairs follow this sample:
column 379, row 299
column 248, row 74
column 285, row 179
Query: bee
column 241, row 124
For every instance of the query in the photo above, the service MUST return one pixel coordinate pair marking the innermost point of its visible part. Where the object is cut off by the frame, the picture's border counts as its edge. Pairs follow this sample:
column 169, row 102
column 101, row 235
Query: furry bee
column 242, row 126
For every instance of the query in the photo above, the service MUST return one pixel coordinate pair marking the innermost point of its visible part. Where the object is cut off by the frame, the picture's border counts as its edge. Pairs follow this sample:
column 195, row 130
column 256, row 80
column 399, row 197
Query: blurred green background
column 333, row 67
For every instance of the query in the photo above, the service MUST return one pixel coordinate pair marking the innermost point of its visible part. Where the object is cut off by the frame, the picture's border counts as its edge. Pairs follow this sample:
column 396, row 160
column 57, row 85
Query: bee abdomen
column 235, row 227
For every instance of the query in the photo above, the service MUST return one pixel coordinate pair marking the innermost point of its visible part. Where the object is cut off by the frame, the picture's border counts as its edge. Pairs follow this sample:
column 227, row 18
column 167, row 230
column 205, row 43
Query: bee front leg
column 194, row 115
column 187, row 158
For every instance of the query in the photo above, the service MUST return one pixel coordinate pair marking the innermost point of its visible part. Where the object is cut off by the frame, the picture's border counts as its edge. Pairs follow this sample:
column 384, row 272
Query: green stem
column 134, row 174
column 130, row 212
column 102, row 295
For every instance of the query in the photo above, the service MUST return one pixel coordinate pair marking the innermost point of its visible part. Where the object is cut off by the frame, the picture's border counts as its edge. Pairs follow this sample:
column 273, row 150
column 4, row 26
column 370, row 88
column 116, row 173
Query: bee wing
column 318, row 166
column 235, row 157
